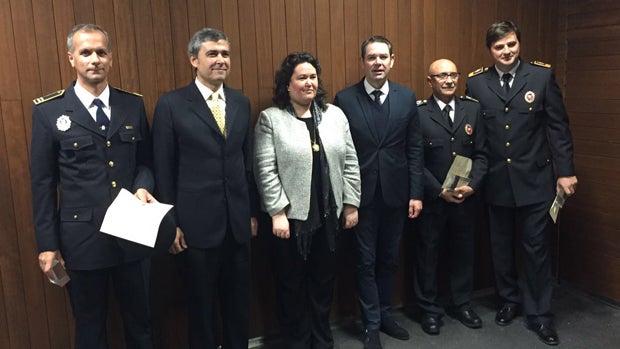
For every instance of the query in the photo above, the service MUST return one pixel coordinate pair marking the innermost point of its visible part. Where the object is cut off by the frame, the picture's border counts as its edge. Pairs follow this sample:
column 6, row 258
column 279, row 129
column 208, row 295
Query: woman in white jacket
column 307, row 175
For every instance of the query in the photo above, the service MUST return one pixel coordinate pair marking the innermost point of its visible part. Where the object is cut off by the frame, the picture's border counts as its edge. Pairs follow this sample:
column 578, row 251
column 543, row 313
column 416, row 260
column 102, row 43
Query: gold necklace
column 315, row 145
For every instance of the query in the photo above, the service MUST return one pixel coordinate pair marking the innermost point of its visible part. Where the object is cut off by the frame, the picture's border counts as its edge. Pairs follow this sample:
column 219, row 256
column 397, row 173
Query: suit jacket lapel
column 494, row 85
column 118, row 112
column 459, row 113
column 520, row 80
column 362, row 99
column 437, row 115
column 199, row 106
column 231, row 111
column 79, row 114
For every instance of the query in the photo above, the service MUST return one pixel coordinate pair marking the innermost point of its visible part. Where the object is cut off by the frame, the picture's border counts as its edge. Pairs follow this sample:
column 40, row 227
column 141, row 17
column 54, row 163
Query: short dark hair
column 500, row 29
column 204, row 35
column 281, row 97
column 89, row 28
column 376, row 38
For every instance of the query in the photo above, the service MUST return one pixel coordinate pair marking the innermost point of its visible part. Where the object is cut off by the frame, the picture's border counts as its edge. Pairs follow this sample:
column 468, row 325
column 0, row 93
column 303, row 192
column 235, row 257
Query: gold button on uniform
column 75, row 216
column 453, row 153
column 507, row 127
column 506, row 109
column 509, row 160
column 111, row 163
column 75, row 145
column 451, row 139
column 507, row 144
column 108, row 144
column 113, row 184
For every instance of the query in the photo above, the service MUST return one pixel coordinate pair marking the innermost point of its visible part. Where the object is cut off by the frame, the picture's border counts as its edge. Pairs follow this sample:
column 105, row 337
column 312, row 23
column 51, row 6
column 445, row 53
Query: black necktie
column 446, row 114
column 506, row 79
column 377, row 100
column 102, row 119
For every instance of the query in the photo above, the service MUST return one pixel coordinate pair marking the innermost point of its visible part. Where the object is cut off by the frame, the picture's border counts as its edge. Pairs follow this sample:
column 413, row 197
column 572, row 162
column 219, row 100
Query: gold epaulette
column 478, row 71
column 420, row 102
column 48, row 97
column 130, row 92
column 464, row 98
column 541, row 64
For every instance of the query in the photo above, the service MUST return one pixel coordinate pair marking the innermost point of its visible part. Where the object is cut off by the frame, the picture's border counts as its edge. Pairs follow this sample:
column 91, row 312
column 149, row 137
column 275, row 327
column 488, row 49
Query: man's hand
column 415, row 207
column 280, row 225
column 144, row 196
column 46, row 261
column 350, row 217
column 254, row 226
column 178, row 245
column 568, row 184
column 457, row 195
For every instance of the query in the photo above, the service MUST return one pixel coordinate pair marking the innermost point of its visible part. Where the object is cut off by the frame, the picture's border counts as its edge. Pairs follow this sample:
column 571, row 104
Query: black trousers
column 453, row 226
column 378, row 236
column 225, row 271
column 88, row 293
column 304, row 292
column 532, row 224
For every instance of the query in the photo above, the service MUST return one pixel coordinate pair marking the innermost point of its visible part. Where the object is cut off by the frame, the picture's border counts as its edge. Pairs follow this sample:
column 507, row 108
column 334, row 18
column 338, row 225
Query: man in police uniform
column 530, row 153
column 88, row 142
column 450, row 127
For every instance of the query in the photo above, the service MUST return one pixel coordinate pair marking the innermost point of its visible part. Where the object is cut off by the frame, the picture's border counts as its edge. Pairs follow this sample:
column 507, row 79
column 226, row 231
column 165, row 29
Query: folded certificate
column 558, row 203
column 458, row 174
column 128, row 218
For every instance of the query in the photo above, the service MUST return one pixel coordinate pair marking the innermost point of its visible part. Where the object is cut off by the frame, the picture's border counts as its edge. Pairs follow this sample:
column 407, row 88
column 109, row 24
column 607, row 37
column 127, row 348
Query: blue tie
column 377, row 100
column 506, row 79
column 102, row 119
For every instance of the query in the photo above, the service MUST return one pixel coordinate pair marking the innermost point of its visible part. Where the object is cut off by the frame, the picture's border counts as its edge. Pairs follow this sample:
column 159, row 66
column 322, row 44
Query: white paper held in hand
column 128, row 218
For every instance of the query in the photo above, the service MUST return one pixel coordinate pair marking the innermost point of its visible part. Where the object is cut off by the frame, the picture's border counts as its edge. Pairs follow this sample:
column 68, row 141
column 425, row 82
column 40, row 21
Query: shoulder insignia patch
column 420, row 102
column 130, row 92
column 48, row 97
column 467, row 98
column 541, row 64
column 478, row 71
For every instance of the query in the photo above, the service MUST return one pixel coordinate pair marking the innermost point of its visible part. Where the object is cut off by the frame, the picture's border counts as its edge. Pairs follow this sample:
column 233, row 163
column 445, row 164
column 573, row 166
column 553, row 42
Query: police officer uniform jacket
column 527, row 132
column 443, row 142
column 77, row 170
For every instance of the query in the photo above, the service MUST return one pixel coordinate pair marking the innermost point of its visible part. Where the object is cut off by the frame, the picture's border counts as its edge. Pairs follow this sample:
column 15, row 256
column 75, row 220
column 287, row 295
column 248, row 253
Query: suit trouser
column 304, row 292
column 453, row 225
column 533, row 223
column 88, row 293
column 378, row 236
column 226, row 270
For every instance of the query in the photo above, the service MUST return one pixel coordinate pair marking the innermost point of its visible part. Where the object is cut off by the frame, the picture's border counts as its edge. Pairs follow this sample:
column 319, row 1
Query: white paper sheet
column 128, row 218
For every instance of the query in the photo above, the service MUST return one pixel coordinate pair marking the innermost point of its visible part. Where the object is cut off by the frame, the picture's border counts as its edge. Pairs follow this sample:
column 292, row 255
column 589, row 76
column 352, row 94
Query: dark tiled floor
column 582, row 321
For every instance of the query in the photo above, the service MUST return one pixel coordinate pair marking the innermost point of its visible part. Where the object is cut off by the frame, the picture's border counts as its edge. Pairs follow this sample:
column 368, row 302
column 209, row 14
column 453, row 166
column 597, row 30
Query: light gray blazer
column 283, row 161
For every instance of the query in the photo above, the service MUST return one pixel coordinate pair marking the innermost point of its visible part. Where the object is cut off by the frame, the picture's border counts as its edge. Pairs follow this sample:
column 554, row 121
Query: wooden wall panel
column 149, row 48
column 589, row 227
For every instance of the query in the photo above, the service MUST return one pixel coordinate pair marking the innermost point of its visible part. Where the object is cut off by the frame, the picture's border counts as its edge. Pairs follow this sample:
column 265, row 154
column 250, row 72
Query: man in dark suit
column 386, row 131
column 450, row 127
column 88, row 142
column 530, row 153
column 203, row 146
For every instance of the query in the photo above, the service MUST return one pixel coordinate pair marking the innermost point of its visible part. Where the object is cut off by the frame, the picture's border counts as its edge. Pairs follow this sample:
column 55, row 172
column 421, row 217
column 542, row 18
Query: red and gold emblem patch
column 469, row 130
column 530, row 96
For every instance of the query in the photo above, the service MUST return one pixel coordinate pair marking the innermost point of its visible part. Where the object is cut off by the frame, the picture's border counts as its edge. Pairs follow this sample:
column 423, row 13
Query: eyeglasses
column 445, row 76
